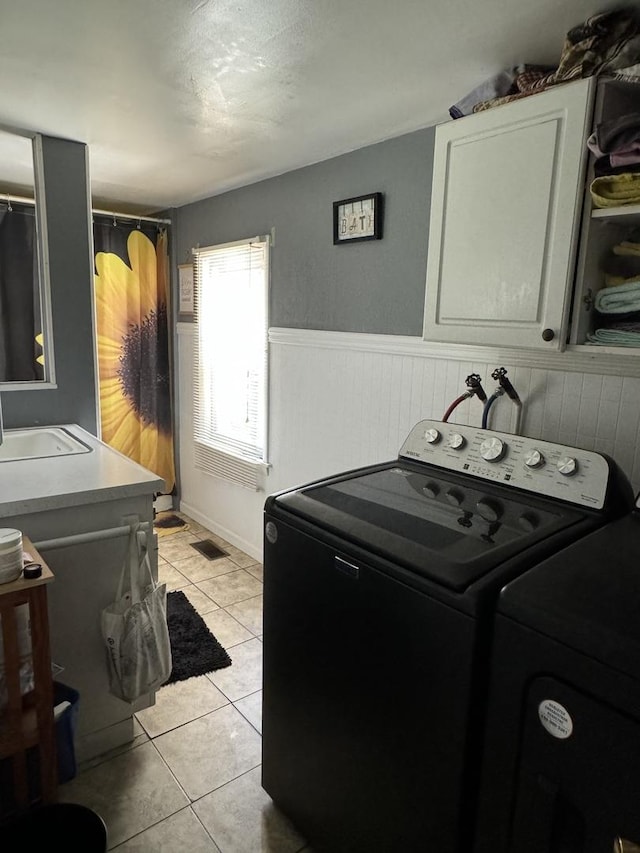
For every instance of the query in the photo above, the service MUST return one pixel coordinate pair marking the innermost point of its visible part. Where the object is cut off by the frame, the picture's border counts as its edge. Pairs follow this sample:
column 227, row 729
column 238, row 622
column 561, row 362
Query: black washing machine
column 379, row 593
column 562, row 751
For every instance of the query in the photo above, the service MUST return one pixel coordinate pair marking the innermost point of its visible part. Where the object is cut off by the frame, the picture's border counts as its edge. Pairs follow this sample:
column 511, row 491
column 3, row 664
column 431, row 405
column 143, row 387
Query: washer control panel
column 568, row 473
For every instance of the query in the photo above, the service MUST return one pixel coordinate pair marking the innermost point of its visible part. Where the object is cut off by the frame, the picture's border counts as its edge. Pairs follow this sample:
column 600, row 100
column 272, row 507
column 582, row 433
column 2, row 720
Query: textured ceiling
column 183, row 99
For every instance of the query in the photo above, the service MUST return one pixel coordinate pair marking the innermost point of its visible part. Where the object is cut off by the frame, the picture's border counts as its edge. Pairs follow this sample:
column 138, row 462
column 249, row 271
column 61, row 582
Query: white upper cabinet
column 508, row 187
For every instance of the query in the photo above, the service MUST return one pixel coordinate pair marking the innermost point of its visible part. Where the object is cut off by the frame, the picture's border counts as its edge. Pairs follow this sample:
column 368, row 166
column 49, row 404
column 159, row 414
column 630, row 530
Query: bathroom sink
column 39, row 443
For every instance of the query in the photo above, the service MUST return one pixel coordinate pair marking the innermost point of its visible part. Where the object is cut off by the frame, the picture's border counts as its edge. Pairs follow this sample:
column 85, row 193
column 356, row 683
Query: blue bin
column 65, row 730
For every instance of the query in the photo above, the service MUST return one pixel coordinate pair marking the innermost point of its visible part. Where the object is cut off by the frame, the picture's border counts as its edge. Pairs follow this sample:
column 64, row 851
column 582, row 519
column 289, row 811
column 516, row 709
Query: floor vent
column 208, row 549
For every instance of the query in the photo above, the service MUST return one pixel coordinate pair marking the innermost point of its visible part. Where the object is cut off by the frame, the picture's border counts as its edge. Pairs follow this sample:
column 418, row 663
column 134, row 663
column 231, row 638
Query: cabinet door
column 507, row 191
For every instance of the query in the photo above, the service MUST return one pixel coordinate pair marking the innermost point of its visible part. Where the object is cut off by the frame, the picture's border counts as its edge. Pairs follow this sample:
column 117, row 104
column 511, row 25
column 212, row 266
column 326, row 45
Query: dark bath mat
column 208, row 549
column 167, row 522
column 194, row 649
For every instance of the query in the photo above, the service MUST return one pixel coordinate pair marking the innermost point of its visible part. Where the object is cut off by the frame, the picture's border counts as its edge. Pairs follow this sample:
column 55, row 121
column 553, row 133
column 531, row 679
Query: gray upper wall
column 70, row 239
column 375, row 286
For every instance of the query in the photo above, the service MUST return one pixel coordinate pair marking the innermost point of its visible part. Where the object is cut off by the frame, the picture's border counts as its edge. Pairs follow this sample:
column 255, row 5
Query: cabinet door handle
column 548, row 335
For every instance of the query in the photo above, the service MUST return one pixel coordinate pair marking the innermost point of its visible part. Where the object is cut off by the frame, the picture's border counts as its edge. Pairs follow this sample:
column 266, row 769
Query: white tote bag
column 134, row 627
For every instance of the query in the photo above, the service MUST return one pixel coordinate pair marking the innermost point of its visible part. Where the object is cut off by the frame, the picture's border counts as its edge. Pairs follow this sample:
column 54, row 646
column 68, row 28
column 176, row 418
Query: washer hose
column 455, row 404
column 485, row 412
column 474, row 384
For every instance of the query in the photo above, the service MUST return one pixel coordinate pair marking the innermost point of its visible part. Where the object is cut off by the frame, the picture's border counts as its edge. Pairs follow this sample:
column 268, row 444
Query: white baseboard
column 228, row 535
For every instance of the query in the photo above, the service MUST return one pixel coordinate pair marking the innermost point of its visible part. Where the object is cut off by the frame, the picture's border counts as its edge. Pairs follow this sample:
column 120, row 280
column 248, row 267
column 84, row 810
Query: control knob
column 567, row 465
column 456, row 441
column 492, row 449
column 432, row 436
column 431, row 490
column 455, row 497
column 533, row 458
column 489, row 510
column 528, row 521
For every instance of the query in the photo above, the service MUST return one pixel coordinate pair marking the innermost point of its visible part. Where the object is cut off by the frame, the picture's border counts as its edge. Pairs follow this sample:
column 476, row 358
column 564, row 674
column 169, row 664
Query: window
column 230, row 376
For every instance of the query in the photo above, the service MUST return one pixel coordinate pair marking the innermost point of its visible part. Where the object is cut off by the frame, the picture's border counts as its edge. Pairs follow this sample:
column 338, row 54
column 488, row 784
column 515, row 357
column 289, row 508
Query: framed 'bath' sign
column 357, row 219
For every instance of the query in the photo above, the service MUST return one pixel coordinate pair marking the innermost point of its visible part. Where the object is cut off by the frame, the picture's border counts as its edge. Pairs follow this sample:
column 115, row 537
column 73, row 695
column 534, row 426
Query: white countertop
column 34, row 485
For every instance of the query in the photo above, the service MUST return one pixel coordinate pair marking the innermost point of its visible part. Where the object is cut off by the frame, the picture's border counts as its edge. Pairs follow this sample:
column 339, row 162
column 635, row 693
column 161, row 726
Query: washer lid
column 448, row 528
column 587, row 597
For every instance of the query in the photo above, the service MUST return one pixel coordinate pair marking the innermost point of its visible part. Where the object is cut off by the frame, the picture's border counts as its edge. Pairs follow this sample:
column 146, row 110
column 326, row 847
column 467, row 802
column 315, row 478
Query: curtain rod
column 22, row 200
column 17, row 198
column 131, row 216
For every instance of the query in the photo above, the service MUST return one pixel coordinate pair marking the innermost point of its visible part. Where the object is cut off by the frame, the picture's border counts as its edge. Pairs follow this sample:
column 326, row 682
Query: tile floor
column 191, row 778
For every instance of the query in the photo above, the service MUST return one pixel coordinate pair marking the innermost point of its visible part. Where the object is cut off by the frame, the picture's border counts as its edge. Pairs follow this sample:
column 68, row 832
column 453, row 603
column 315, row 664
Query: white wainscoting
column 341, row 400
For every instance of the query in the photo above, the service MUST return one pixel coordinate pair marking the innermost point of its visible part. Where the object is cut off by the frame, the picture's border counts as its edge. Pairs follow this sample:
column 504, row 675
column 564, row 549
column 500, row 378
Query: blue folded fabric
column 500, row 84
column 614, row 338
column 618, row 299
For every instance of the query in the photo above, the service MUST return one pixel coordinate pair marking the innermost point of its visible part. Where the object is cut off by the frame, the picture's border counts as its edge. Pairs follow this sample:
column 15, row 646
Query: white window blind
column 231, row 284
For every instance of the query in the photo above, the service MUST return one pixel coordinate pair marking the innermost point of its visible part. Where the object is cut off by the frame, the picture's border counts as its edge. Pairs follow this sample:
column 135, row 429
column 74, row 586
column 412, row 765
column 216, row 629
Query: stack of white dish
column 10, row 554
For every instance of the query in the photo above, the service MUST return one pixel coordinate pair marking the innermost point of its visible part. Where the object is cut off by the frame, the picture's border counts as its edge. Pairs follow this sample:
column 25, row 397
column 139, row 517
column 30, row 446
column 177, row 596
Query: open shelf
column 601, row 230
column 628, row 212
column 27, row 720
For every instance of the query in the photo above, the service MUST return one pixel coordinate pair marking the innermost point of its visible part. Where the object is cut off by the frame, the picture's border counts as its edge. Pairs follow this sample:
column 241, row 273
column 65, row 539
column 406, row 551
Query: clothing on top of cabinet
column 630, row 74
column 507, row 82
column 605, row 43
column 616, row 190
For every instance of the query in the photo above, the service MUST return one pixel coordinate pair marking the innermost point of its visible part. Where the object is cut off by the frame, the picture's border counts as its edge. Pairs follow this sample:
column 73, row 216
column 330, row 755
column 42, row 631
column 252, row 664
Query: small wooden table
column 27, row 720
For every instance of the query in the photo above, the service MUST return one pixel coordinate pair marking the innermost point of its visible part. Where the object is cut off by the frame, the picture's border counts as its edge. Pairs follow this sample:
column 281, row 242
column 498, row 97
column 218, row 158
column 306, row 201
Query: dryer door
column 579, row 777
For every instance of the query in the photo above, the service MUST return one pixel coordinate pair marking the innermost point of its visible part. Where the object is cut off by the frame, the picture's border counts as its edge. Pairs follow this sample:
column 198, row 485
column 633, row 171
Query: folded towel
column 615, row 280
column 606, row 320
column 602, row 166
column 615, row 135
column 624, row 327
column 623, row 264
column 618, row 139
column 627, row 248
column 615, row 190
column 618, row 299
column 627, row 156
column 612, row 337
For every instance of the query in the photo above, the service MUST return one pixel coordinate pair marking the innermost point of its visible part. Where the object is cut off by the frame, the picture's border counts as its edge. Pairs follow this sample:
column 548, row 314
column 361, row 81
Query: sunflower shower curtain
column 131, row 283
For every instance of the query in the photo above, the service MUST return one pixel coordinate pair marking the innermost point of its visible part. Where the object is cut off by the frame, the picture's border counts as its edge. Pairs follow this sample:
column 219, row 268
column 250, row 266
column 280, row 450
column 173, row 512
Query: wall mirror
column 26, row 338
